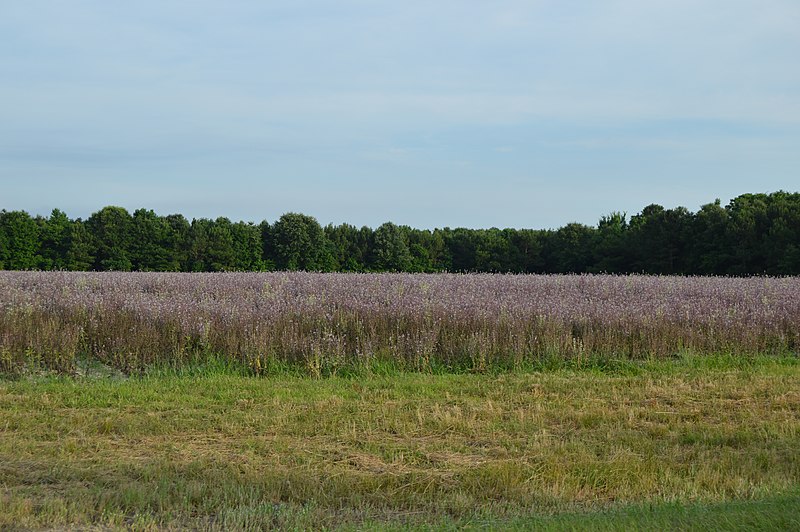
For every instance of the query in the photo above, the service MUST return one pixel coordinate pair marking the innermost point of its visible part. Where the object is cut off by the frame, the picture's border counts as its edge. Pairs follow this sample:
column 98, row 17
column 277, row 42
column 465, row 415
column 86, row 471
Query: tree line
column 752, row 234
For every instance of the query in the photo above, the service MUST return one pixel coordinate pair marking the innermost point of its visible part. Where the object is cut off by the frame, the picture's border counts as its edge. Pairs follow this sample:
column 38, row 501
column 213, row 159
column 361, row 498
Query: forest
column 754, row 234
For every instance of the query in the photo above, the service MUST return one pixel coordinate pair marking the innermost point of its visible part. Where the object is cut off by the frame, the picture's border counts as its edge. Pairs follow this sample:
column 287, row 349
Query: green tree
column 612, row 254
column 350, row 246
column 711, row 250
column 391, row 249
column 211, row 245
column 439, row 253
column 526, row 250
column 247, row 247
column 492, row 251
column 428, row 250
column 660, row 239
column 571, row 249
column 5, row 252
column 110, row 228
column 221, row 253
column 199, row 241
column 300, row 244
column 753, row 234
column 179, row 241
column 461, row 245
column 79, row 255
column 781, row 241
column 20, row 240
column 55, row 241
column 267, row 248
column 151, row 244
column 748, row 221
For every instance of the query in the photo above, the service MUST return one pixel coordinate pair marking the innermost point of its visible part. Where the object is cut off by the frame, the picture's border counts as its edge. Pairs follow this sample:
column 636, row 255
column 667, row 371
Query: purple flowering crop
column 327, row 321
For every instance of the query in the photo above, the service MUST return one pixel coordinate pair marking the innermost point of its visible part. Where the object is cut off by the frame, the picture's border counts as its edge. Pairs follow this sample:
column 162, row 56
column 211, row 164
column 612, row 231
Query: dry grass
column 224, row 450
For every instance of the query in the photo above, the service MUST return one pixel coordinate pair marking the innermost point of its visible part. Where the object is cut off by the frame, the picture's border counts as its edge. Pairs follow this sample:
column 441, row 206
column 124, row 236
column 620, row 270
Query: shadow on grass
column 215, row 496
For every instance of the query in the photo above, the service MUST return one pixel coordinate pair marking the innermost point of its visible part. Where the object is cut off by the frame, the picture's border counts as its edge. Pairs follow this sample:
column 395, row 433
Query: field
column 710, row 443
column 252, row 401
column 325, row 324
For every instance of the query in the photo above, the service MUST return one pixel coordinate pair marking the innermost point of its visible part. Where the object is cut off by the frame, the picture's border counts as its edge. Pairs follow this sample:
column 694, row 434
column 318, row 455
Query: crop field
column 252, row 401
column 328, row 323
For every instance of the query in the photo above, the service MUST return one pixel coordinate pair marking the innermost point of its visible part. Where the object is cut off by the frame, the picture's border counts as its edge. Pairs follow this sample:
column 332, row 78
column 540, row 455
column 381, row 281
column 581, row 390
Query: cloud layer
column 458, row 113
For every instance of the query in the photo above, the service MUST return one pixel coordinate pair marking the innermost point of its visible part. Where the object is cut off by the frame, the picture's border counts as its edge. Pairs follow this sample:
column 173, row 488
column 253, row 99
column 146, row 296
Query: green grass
column 772, row 513
column 691, row 443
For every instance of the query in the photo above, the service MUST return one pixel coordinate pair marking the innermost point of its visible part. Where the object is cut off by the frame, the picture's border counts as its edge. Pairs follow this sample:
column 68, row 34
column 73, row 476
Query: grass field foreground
column 698, row 440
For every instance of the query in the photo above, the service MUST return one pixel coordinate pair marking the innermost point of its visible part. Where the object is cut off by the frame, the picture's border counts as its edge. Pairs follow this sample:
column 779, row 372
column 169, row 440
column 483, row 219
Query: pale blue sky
column 431, row 114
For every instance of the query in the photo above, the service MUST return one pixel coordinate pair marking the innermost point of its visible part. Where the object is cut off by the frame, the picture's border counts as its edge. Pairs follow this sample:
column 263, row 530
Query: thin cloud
column 301, row 102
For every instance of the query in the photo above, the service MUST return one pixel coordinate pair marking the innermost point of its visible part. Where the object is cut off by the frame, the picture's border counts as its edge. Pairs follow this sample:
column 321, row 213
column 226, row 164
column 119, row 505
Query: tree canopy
column 754, row 234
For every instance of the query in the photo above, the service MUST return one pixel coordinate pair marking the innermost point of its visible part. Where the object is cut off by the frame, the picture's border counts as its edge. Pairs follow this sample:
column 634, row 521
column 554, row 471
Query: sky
column 460, row 113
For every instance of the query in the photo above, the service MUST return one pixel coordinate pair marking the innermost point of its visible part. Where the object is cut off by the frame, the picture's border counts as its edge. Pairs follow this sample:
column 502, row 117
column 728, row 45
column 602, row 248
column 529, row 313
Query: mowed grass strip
column 407, row 449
